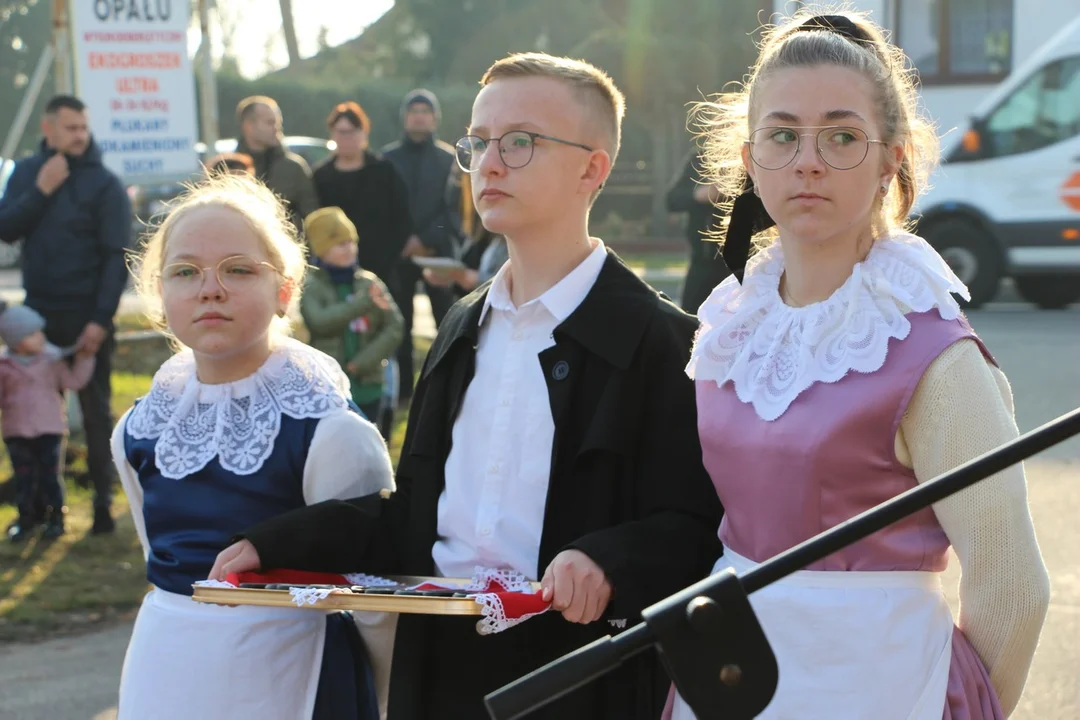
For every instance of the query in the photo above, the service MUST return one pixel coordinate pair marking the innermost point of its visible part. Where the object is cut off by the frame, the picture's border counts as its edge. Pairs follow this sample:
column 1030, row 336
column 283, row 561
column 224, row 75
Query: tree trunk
column 289, row 27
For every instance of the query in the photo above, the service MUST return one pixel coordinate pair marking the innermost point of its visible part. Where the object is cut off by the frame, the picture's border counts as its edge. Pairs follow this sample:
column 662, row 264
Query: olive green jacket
column 330, row 319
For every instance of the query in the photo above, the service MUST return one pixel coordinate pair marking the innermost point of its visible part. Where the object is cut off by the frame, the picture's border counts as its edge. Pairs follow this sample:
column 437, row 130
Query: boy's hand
column 238, row 557
column 576, row 587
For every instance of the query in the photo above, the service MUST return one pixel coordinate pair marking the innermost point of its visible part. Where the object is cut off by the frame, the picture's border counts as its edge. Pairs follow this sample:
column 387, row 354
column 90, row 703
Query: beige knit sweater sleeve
column 961, row 409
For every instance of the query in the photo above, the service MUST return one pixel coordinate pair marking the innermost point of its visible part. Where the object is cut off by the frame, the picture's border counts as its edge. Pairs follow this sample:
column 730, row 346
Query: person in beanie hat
column 349, row 313
column 421, row 96
column 425, row 163
column 17, row 323
column 33, row 421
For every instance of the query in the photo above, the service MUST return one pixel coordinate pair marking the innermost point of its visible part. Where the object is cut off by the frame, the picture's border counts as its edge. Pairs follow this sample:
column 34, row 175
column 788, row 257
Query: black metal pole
column 912, row 501
column 584, row 665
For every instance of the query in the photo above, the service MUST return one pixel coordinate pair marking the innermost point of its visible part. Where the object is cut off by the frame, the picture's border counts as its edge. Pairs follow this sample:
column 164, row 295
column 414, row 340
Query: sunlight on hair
column 723, row 123
column 263, row 212
column 595, row 87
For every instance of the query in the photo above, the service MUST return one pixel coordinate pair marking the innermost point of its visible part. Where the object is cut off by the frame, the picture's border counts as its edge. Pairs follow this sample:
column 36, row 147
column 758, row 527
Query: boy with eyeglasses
column 553, row 430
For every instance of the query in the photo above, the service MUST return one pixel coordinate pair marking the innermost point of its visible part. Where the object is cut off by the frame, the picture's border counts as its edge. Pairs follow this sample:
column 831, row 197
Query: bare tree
column 289, row 26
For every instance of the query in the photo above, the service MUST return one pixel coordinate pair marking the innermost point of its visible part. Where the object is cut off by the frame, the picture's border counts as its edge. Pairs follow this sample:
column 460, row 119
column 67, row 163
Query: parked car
column 150, row 201
column 313, row 150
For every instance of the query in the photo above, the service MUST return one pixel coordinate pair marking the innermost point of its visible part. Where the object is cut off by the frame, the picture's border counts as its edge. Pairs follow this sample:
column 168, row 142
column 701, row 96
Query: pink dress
column 827, row 456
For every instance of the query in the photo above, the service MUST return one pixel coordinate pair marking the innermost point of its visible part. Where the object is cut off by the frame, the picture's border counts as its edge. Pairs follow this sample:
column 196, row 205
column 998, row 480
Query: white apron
column 193, row 660
column 852, row 644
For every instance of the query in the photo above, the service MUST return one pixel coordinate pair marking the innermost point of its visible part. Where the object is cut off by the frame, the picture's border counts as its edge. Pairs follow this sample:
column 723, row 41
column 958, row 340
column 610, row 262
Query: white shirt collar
column 560, row 299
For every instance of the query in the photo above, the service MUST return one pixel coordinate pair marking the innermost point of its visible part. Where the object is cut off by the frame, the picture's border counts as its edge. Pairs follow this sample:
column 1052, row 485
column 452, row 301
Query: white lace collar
column 772, row 352
column 235, row 422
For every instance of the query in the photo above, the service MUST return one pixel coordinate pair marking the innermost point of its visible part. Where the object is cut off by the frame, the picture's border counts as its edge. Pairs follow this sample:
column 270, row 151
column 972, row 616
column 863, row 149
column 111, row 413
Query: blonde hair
column 725, row 122
column 265, row 215
column 594, row 87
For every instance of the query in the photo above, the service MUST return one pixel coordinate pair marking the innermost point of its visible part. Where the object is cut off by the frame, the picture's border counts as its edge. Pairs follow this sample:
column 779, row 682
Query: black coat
column 702, row 218
column 376, row 200
column 76, row 238
column 707, row 268
column 627, row 487
column 425, row 167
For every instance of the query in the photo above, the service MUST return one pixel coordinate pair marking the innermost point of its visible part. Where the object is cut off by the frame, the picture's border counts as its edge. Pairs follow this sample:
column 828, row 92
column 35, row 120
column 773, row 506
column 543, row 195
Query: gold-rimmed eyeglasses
column 235, row 274
column 841, row 148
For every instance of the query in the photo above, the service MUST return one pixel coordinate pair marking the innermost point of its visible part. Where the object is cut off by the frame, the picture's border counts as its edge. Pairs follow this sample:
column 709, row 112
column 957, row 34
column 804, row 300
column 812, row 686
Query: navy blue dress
column 189, row 521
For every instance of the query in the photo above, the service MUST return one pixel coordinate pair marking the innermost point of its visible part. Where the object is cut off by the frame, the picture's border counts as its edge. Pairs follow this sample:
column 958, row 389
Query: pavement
column 76, row 678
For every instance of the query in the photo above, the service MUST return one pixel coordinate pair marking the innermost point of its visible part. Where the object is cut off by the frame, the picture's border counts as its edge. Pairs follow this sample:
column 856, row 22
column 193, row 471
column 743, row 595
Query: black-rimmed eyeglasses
column 515, row 148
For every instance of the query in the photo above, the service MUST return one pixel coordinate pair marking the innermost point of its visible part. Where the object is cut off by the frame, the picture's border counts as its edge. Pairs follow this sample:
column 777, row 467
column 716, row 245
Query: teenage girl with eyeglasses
column 837, row 372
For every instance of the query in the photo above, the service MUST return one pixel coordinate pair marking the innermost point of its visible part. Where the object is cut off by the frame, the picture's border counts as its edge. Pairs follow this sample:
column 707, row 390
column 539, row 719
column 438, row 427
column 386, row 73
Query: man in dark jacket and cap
column 425, row 163
column 75, row 218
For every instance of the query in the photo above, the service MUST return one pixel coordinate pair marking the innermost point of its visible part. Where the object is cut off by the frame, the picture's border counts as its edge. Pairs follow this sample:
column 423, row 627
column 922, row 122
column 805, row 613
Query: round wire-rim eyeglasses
column 239, row 269
column 776, row 147
column 516, row 148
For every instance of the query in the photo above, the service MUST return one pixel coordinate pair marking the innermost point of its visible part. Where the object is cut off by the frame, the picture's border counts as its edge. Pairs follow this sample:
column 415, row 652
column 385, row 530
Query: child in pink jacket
column 33, row 421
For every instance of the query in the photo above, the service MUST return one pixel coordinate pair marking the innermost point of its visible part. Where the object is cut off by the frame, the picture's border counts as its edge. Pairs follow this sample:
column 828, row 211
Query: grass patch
column 73, row 583
column 129, row 322
column 656, row 261
column 79, row 580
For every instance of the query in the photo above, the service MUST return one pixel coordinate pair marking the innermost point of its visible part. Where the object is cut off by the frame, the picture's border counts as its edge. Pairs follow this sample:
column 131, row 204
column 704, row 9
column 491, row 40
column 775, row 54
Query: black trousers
column 63, row 329
column 408, row 274
column 35, row 463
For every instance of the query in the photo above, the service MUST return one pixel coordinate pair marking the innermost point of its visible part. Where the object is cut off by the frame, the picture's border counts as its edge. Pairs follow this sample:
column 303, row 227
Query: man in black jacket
column 75, row 217
column 425, row 163
column 284, row 172
column 553, row 431
column 707, row 269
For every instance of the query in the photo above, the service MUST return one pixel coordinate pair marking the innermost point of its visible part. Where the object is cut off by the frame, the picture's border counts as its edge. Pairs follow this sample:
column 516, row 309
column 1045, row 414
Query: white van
column 1006, row 200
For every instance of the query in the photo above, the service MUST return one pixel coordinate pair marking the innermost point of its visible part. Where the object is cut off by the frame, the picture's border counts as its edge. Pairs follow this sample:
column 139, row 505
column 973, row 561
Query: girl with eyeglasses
column 241, row 425
column 835, row 371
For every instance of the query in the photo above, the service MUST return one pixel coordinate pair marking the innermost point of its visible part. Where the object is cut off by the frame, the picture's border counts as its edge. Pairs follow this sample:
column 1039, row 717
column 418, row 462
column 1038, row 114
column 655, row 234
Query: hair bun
column 840, row 24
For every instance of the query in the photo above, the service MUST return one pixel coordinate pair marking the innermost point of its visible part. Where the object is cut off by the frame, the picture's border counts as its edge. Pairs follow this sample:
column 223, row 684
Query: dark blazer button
column 561, row 370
